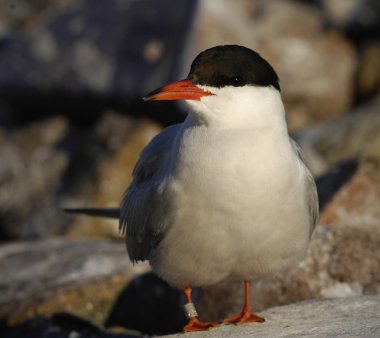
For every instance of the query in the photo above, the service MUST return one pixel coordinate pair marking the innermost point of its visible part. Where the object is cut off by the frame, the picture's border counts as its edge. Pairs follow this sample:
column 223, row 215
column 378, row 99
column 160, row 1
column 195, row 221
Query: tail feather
column 96, row 212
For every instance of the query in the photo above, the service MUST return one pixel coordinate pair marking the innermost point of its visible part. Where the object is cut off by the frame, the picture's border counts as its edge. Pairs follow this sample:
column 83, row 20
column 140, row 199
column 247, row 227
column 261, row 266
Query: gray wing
column 311, row 189
column 142, row 211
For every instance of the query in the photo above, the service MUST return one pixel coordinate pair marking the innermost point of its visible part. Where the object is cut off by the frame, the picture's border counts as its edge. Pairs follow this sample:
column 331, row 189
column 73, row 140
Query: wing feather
column 143, row 208
column 311, row 189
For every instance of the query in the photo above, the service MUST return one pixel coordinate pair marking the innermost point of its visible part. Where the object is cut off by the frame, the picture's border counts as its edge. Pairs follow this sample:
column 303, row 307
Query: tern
column 225, row 195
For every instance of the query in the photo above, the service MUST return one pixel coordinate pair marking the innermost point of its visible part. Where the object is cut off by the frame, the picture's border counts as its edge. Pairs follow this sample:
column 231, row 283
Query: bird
column 225, row 195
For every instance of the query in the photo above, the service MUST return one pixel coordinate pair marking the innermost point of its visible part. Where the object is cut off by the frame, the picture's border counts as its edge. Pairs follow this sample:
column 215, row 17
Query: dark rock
column 74, row 323
column 364, row 22
column 111, row 155
column 16, row 16
column 368, row 73
column 149, row 305
column 90, row 54
column 329, row 184
column 61, row 325
column 359, row 19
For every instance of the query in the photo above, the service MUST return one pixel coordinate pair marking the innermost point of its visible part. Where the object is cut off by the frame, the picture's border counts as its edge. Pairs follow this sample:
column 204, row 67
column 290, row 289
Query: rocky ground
column 344, row 317
column 72, row 126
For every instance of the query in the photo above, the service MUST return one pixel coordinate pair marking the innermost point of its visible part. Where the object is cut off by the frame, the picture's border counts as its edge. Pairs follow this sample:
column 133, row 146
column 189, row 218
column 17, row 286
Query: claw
column 195, row 324
column 245, row 317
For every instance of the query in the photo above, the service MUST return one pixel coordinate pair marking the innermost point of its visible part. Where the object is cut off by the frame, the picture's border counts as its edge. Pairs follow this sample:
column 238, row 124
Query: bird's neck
column 239, row 108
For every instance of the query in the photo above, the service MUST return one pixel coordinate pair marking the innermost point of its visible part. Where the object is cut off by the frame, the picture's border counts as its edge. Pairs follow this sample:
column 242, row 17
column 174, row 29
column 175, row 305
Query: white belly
column 235, row 215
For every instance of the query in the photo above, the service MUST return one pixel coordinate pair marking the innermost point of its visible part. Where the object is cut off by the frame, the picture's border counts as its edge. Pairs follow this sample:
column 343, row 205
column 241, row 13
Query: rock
column 343, row 257
column 358, row 19
column 51, row 164
column 19, row 15
column 368, row 72
column 355, row 207
column 82, row 57
column 364, row 22
column 316, row 67
column 60, row 325
column 149, row 305
column 330, row 183
column 345, row 317
column 339, row 12
column 55, row 275
column 116, row 143
column 31, row 166
column 350, row 136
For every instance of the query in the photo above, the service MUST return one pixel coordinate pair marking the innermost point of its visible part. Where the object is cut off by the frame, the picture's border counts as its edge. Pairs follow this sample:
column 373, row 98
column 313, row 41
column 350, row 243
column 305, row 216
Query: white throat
column 239, row 107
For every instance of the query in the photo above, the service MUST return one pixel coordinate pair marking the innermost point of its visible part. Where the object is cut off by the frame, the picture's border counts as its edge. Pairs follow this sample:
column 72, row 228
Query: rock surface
column 52, row 164
column 148, row 305
column 31, row 165
column 60, row 325
column 346, row 317
column 353, row 135
column 368, row 73
column 81, row 57
column 44, row 277
column 124, row 140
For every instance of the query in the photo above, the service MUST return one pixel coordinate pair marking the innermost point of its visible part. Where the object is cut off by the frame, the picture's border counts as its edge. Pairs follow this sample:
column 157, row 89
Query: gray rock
column 30, row 169
column 33, row 272
column 345, row 317
column 350, row 136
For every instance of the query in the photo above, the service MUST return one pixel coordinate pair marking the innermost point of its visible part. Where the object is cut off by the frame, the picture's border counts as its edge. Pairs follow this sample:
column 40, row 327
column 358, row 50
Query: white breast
column 238, row 210
column 237, row 205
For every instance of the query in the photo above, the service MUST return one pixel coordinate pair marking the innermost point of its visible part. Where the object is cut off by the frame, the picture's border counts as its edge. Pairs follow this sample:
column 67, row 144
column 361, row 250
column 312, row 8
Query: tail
column 96, row 212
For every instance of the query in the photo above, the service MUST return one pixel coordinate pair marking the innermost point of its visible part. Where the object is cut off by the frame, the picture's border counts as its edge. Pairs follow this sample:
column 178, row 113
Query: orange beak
column 180, row 90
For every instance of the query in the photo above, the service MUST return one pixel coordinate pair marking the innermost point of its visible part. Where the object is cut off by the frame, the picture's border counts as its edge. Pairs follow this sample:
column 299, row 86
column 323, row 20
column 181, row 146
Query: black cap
column 232, row 65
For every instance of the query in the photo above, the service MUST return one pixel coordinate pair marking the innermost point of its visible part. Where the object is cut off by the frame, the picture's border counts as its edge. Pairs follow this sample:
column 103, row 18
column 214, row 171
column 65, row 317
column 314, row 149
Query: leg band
column 190, row 310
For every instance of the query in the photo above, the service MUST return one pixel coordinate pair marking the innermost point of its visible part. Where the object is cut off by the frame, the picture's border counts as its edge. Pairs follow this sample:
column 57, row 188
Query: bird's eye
column 237, row 81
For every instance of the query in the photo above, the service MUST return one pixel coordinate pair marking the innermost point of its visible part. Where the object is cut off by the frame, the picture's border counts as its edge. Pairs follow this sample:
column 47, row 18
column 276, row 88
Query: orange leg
column 194, row 324
column 246, row 316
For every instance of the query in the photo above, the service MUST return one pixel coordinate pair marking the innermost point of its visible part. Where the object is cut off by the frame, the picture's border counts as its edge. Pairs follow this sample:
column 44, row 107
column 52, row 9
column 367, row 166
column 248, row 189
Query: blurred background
column 72, row 125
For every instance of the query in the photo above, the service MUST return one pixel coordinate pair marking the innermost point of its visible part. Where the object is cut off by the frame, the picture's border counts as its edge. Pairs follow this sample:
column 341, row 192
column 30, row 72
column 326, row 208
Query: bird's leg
column 246, row 316
column 194, row 324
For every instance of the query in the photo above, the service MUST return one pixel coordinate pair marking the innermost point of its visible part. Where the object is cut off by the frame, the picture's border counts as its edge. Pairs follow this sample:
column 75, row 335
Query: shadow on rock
column 149, row 305
column 329, row 184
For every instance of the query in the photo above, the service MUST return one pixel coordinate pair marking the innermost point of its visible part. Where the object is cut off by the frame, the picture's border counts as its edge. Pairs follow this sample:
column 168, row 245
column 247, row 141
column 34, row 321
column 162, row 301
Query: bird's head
column 223, row 79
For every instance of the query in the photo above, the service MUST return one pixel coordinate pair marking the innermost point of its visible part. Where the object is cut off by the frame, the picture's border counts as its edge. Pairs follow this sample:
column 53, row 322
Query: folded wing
column 144, row 206
column 311, row 189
